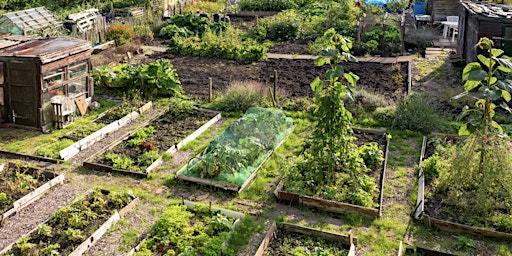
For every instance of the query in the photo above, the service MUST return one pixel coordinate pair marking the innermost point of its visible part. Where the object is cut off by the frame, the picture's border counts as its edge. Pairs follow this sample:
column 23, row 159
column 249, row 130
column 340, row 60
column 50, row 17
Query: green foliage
column 333, row 166
column 119, row 160
column 489, row 78
column 120, row 33
column 148, row 158
column 268, row 5
column 70, row 225
column 143, row 31
column 53, row 149
column 240, row 96
column 174, row 233
column 373, row 157
column 227, row 44
column 380, row 40
column 154, row 79
column 417, row 112
column 140, row 136
column 464, row 244
column 234, row 155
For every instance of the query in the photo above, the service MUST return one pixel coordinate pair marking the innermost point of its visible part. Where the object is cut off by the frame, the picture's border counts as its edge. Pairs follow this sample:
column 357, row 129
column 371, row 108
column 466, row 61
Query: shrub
column 143, row 31
column 240, row 96
column 417, row 112
column 267, row 5
column 120, row 33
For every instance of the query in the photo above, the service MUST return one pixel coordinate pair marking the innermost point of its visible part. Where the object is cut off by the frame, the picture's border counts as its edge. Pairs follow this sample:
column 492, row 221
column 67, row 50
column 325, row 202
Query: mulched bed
column 290, row 243
column 294, row 76
column 169, row 131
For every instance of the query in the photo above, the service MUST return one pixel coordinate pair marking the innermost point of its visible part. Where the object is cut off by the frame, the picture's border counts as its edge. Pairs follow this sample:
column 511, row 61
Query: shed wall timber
column 443, row 8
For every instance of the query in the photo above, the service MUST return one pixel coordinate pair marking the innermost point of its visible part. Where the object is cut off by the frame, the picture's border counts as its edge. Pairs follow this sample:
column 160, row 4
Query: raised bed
column 86, row 142
column 79, row 236
column 335, row 206
column 277, row 232
column 231, row 186
column 195, row 213
column 449, row 226
column 42, row 181
column 166, row 139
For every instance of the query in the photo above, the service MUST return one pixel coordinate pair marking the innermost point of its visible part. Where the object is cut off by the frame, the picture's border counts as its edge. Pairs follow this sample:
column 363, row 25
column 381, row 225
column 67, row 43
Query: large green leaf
column 505, row 95
column 496, row 52
column 335, row 73
column 504, row 69
column 504, row 85
column 321, row 61
column 351, row 78
column 349, row 57
column 484, row 60
column 497, row 126
column 470, row 85
column 463, row 130
column 460, row 95
column 473, row 72
column 317, row 85
column 489, row 94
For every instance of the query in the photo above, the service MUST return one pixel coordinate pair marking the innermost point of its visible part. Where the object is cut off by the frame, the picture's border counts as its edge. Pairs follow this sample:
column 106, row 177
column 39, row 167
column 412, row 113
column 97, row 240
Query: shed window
column 77, row 70
column 53, row 77
column 77, row 88
column 52, row 92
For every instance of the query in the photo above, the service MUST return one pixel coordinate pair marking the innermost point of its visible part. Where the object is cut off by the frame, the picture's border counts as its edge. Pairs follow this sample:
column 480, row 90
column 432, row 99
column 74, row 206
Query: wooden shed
column 36, row 72
column 482, row 19
column 443, row 8
column 29, row 22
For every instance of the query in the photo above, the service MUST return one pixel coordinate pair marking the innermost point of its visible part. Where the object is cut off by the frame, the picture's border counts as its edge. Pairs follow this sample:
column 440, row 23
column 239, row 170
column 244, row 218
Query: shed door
column 22, row 93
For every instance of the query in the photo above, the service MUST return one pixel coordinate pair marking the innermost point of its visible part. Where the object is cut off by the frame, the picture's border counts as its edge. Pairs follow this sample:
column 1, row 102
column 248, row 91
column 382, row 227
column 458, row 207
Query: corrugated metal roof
column 48, row 49
column 31, row 19
column 489, row 10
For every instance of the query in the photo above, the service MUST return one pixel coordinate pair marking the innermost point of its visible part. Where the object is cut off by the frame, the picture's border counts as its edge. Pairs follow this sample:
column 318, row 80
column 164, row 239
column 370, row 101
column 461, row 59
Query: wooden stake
column 275, row 88
column 210, row 88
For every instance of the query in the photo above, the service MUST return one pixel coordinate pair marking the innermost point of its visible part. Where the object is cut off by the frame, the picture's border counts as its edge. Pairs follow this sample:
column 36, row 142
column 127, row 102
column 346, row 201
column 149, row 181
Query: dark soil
column 294, row 75
column 289, row 243
column 289, row 48
column 169, row 131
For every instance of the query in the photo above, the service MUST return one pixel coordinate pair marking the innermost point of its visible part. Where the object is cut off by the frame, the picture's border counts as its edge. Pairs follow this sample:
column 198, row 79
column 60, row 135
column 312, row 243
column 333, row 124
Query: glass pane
column 53, row 92
column 77, row 70
column 77, row 88
column 53, row 77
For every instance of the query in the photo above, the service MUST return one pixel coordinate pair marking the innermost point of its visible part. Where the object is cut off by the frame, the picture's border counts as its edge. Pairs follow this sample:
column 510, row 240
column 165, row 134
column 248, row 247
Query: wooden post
column 275, row 87
column 210, row 89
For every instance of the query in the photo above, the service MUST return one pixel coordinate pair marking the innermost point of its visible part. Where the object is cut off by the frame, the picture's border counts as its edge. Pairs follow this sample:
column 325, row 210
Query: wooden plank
column 27, row 156
column 326, row 235
column 383, row 176
column 420, row 201
column 106, row 168
column 338, row 207
column 218, row 184
column 82, row 106
column 232, row 214
column 266, row 240
column 79, row 250
column 146, row 108
column 461, row 228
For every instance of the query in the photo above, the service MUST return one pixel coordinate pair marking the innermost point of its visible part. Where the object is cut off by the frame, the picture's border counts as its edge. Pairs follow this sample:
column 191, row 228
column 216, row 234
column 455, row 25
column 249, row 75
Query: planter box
column 226, row 185
column 33, row 195
column 335, row 206
column 348, row 241
column 419, row 212
column 86, row 142
column 191, row 205
column 151, row 168
column 94, row 237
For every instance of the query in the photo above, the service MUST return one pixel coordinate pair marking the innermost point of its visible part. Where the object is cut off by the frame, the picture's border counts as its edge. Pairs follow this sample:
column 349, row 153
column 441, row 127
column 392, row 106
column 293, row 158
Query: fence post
column 210, row 88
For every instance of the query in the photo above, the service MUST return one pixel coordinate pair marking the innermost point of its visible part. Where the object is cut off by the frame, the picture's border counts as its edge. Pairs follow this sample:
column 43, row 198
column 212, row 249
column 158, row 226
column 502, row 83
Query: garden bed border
column 346, row 240
column 94, row 237
column 32, row 196
column 227, row 185
column 335, row 206
column 449, row 226
column 151, row 168
column 86, row 142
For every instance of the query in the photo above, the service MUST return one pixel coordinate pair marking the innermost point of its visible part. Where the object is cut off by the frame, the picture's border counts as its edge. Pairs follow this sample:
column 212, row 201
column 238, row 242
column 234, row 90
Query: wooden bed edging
column 94, row 237
column 156, row 163
column 86, row 142
column 226, row 185
column 31, row 157
column 335, row 206
column 184, row 142
column 346, row 240
column 32, row 196
column 445, row 225
column 107, row 168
